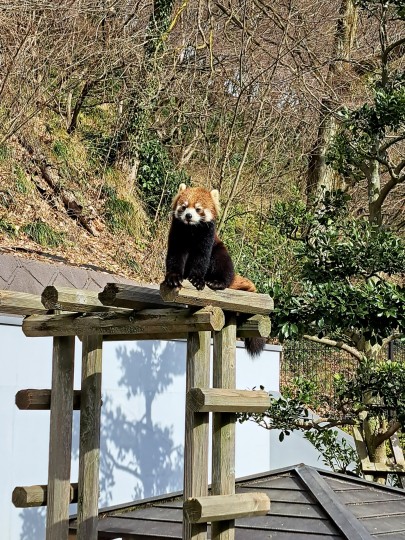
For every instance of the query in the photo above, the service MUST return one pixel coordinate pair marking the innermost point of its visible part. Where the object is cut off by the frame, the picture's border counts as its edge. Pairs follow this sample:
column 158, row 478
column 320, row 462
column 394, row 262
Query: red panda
column 196, row 253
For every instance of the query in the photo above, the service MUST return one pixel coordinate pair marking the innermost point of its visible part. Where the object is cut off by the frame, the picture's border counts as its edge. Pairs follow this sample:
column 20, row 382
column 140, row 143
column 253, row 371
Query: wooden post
column 196, row 430
column 60, row 439
column 89, row 450
column 223, row 434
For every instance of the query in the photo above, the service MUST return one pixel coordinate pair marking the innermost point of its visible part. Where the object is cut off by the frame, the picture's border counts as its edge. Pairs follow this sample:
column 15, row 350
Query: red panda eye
column 199, row 210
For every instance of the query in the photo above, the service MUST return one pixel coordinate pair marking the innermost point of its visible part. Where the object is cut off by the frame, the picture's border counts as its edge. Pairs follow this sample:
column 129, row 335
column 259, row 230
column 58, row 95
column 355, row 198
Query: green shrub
column 158, row 178
column 7, row 228
column 120, row 214
column 22, row 184
column 41, row 233
column 4, row 153
column 60, row 149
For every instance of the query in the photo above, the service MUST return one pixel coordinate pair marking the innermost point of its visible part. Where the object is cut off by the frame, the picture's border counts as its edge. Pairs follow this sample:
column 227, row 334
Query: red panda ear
column 182, row 187
column 215, row 198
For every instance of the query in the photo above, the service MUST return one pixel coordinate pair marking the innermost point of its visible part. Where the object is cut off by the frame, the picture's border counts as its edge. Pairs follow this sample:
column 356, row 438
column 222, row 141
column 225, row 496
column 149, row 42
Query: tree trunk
column 136, row 119
column 320, row 175
column 374, row 188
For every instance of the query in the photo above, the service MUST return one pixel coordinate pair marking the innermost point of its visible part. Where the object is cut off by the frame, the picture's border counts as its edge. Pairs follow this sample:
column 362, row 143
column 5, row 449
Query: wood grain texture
column 60, row 439
column 133, row 296
column 159, row 321
column 227, row 400
column 89, row 448
column 256, row 326
column 40, row 400
column 18, row 303
column 226, row 507
column 223, row 425
column 196, row 430
column 67, row 299
column 228, row 299
column 29, row 496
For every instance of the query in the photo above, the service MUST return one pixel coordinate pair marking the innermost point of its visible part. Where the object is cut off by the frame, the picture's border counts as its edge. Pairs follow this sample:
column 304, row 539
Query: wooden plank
column 398, row 455
column 60, row 439
column 256, row 326
column 362, row 452
column 291, row 523
column 40, row 400
column 196, row 430
column 344, row 520
column 227, row 400
column 379, row 509
column 223, row 425
column 133, row 296
column 29, row 496
column 89, row 449
column 228, row 299
column 160, row 321
column 384, row 468
column 18, row 303
column 397, row 450
column 66, row 299
column 226, row 507
column 146, row 336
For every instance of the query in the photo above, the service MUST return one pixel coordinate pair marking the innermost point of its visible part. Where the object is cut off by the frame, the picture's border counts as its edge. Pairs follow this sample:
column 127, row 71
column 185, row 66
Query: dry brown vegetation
column 232, row 92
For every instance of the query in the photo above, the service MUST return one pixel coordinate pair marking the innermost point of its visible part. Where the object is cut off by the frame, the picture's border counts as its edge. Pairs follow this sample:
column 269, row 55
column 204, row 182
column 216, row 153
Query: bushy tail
column 241, row 283
column 254, row 345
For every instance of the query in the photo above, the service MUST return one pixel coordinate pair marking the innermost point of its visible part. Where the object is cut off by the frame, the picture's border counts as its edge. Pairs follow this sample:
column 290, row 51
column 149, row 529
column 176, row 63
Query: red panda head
column 196, row 205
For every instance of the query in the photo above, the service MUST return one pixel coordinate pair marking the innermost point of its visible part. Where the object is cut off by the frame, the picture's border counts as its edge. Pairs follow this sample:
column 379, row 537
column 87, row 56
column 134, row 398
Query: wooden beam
column 159, row 321
column 256, row 326
column 196, row 430
column 65, row 299
column 226, row 507
column 384, row 468
column 18, row 303
column 133, row 296
column 40, row 400
column 398, row 455
column 89, row 448
column 228, row 299
column 362, row 452
column 60, row 439
column 227, row 400
column 223, row 425
column 29, row 496
column 145, row 336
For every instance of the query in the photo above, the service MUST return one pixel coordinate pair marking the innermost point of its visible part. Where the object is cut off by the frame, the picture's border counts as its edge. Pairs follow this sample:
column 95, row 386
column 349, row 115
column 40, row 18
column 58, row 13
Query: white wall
column 142, row 422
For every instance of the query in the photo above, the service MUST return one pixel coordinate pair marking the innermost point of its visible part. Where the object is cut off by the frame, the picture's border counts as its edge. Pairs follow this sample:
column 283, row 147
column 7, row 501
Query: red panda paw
column 173, row 280
column 197, row 281
column 216, row 285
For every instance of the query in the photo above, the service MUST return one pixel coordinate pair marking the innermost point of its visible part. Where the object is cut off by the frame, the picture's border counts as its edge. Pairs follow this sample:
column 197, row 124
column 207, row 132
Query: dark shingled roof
column 306, row 503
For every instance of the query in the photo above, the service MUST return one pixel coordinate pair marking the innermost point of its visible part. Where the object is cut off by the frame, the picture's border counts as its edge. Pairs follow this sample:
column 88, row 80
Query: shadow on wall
column 138, row 447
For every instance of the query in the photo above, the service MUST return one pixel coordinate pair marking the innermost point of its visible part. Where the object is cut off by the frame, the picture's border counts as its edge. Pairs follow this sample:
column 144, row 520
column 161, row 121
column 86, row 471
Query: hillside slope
column 57, row 202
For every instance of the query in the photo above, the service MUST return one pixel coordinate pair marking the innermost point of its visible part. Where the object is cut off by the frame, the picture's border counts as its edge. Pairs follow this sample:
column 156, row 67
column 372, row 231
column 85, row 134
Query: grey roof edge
column 341, row 516
column 298, row 469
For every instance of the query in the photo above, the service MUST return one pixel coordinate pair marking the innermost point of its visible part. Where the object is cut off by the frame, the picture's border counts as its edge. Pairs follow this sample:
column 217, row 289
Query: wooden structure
column 306, row 504
column 138, row 313
column 371, row 469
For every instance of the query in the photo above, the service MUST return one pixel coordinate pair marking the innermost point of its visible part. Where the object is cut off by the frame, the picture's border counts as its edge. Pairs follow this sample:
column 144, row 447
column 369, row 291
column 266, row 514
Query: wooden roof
column 306, row 504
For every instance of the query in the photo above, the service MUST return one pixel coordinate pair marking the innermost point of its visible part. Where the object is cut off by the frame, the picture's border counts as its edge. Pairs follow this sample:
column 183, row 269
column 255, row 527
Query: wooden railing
column 134, row 312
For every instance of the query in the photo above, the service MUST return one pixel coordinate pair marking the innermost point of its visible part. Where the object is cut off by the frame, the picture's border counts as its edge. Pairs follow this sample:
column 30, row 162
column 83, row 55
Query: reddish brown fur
column 241, row 283
column 197, row 196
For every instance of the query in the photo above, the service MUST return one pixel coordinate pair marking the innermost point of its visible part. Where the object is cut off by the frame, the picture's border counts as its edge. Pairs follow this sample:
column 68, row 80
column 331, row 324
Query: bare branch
column 338, row 344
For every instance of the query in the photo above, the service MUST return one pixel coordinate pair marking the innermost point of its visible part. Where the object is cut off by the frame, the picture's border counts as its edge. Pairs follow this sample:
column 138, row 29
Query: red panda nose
column 189, row 216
